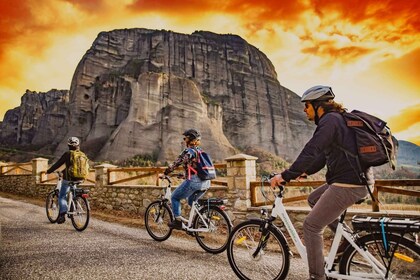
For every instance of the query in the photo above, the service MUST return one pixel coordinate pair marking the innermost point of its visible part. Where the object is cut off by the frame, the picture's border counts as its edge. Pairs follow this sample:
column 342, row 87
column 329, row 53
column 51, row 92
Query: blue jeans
column 62, row 196
column 185, row 190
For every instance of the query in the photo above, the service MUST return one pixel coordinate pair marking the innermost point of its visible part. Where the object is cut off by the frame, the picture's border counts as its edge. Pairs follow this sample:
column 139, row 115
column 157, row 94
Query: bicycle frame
column 195, row 210
column 279, row 210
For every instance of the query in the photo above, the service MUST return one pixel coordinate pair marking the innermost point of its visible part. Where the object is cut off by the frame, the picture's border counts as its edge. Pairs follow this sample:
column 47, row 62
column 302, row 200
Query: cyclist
column 192, row 183
column 73, row 144
column 344, row 186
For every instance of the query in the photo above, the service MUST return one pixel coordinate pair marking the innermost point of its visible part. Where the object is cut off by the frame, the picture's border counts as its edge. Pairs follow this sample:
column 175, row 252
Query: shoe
column 175, row 224
column 61, row 218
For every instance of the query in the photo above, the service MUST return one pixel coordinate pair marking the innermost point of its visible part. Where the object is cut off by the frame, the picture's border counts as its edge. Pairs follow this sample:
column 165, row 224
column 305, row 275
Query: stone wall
column 135, row 198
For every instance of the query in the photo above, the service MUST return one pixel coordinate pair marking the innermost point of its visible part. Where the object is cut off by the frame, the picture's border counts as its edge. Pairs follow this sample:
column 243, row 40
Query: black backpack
column 375, row 143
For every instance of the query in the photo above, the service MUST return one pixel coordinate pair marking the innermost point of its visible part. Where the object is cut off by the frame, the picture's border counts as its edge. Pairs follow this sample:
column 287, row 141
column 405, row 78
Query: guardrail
column 120, row 175
column 16, row 169
column 381, row 185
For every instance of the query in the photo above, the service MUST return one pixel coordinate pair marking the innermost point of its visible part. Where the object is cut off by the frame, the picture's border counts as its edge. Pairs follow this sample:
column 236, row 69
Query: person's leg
column 327, row 209
column 180, row 192
column 199, row 187
column 62, row 203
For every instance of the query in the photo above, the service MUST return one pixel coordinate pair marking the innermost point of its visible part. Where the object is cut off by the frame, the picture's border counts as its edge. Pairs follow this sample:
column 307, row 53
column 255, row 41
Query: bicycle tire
column 51, row 206
column 352, row 262
column 272, row 262
column 157, row 225
column 81, row 215
column 215, row 240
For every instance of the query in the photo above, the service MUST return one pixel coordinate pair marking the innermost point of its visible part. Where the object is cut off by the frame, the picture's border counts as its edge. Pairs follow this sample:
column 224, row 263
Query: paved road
column 33, row 248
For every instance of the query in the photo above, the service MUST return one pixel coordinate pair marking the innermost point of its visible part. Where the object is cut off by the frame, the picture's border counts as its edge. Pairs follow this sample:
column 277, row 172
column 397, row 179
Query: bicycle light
column 85, row 195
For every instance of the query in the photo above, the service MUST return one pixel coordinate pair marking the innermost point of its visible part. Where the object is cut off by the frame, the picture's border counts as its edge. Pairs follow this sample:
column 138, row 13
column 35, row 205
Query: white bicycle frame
column 378, row 270
column 194, row 210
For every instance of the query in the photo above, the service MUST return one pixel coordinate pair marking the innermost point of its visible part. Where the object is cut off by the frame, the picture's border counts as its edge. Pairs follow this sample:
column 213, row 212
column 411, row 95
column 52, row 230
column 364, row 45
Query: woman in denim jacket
column 192, row 183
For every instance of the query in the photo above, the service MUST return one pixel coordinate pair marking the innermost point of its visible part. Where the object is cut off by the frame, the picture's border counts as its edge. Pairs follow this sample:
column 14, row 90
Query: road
column 33, row 248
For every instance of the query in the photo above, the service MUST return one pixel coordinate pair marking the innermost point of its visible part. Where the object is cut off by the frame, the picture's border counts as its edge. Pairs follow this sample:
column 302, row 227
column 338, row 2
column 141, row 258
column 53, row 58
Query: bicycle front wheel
column 214, row 237
column 405, row 262
column 51, row 206
column 81, row 214
column 156, row 218
column 253, row 256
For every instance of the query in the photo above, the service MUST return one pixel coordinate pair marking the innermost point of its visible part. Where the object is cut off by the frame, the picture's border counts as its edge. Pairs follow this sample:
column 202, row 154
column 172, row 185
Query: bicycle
column 207, row 221
column 378, row 247
column 78, row 205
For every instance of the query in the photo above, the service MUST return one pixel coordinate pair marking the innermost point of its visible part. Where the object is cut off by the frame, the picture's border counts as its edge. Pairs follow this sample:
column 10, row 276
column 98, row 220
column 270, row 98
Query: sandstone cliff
column 136, row 90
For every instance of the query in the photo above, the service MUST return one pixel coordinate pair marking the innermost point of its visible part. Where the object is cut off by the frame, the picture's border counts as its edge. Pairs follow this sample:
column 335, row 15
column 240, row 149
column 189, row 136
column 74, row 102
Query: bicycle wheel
column 271, row 262
column 80, row 216
column 51, row 206
column 214, row 239
column 404, row 265
column 156, row 218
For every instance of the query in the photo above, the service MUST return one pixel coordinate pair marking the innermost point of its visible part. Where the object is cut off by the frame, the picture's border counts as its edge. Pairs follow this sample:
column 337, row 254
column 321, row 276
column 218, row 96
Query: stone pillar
column 39, row 165
column 241, row 170
column 101, row 174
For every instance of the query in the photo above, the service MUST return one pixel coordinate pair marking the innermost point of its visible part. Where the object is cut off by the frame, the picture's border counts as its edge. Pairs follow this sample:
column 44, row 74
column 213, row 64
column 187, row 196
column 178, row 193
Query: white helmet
column 73, row 142
column 318, row 93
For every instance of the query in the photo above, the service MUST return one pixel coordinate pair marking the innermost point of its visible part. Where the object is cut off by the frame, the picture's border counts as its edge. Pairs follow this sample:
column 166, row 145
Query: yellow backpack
column 79, row 165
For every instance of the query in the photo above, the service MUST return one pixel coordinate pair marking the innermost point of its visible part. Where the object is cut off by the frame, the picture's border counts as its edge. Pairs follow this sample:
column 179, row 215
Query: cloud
column 408, row 117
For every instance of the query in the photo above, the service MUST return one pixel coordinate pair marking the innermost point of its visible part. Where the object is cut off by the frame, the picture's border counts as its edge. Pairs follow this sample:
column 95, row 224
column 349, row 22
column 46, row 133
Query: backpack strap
column 190, row 168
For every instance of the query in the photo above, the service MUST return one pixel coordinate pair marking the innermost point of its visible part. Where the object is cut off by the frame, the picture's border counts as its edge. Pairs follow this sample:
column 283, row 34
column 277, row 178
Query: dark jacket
column 321, row 150
column 64, row 159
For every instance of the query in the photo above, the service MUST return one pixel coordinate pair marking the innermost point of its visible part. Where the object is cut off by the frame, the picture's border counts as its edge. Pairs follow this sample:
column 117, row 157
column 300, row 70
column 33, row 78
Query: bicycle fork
column 265, row 235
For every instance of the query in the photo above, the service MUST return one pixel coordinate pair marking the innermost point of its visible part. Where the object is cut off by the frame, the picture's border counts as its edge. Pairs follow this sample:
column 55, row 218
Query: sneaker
column 175, row 224
column 61, row 218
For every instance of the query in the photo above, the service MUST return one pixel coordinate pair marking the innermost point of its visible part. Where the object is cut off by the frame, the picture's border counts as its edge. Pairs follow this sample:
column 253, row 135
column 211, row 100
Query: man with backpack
column 197, row 175
column 345, row 184
column 77, row 168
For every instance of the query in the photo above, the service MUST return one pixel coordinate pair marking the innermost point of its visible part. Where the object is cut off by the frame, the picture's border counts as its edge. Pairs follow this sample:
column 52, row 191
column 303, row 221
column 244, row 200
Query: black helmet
column 192, row 134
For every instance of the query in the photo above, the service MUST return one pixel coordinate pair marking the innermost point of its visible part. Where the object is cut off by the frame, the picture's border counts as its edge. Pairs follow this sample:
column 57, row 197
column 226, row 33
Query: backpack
column 375, row 143
column 79, row 165
column 204, row 166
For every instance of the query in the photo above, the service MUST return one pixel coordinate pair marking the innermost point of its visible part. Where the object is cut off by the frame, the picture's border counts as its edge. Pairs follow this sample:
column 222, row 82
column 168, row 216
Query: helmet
column 192, row 134
column 73, row 142
column 318, row 93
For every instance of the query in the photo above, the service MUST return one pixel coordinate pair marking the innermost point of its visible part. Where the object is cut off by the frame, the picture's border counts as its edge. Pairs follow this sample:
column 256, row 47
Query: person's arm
column 183, row 157
column 59, row 163
column 312, row 157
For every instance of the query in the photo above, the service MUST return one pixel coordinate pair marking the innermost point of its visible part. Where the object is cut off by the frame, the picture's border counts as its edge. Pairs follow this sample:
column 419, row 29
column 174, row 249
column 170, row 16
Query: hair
column 331, row 106
column 195, row 142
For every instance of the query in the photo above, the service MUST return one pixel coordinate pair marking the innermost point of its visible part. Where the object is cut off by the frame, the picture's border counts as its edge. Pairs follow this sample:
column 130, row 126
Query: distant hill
column 408, row 153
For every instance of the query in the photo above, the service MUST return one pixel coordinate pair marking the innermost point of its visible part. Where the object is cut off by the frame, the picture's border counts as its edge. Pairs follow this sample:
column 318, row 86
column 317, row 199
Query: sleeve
column 185, row 156
column 59, row 163
column 312, row 157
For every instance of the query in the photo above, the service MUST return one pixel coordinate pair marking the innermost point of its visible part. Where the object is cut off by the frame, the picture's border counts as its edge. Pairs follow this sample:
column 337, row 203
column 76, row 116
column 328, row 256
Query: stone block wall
column 135, row 198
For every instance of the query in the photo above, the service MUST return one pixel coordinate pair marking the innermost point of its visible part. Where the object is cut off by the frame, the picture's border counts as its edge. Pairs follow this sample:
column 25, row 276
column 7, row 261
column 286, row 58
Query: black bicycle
column 78, row 204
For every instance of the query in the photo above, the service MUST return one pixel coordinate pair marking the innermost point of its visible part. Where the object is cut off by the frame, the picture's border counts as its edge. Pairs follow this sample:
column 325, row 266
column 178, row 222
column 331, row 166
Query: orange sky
column 368, row 51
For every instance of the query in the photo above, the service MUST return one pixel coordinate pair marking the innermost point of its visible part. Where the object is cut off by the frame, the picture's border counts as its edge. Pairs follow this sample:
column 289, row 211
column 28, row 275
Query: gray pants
column 328, row 202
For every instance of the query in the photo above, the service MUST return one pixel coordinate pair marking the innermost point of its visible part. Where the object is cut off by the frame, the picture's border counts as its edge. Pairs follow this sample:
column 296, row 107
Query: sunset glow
column 368, row 51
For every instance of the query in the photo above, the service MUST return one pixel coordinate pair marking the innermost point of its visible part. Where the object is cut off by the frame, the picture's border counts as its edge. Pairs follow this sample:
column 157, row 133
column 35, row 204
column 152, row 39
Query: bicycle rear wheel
column 214, row 239
column 51, row 206
column 270, row 262
column 404, row 265
column 81, row 215
column 156, row 218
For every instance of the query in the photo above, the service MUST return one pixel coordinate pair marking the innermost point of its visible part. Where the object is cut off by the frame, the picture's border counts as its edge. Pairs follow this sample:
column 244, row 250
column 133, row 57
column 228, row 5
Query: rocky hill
column 136, row 90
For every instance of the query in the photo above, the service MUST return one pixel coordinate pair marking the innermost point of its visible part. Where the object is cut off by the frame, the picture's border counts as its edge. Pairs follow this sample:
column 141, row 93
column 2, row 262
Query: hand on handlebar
column 276, row 181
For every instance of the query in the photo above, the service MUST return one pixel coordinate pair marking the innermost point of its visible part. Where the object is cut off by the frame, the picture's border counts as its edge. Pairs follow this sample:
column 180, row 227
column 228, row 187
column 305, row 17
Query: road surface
column 33, row 248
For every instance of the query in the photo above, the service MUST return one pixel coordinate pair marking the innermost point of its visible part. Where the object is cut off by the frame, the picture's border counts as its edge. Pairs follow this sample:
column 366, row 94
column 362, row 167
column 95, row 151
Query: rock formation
column 136, row 90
